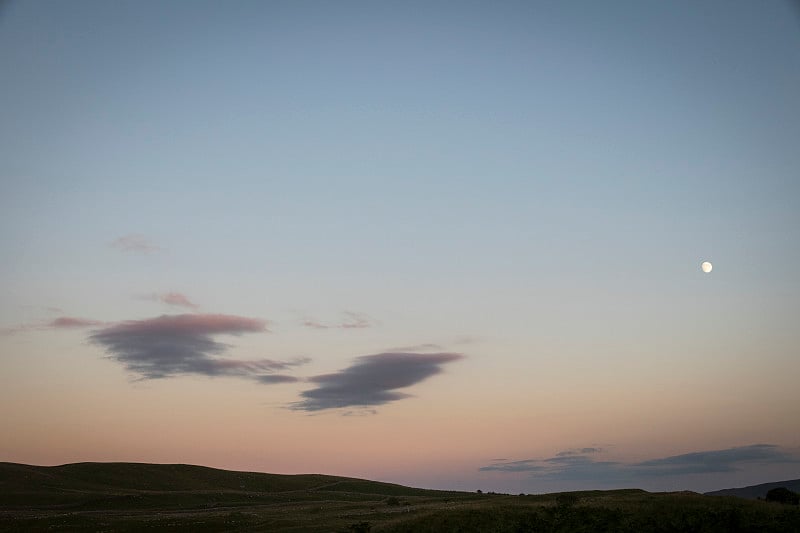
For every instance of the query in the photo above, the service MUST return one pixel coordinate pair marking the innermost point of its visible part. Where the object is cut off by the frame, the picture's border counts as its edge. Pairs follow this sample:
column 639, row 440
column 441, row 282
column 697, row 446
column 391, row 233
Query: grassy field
column 145, row 497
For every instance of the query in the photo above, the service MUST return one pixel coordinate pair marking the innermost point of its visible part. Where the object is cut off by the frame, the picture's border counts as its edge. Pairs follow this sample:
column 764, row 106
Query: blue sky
column 528, row 186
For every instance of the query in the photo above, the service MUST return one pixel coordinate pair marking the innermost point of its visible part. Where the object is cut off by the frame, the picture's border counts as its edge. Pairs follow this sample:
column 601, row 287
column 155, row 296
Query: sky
column 451, row 245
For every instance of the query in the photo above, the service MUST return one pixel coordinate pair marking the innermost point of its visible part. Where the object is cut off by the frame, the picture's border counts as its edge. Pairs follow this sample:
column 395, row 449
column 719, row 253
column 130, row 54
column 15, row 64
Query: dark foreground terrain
column 145, row 497
column 757, row 491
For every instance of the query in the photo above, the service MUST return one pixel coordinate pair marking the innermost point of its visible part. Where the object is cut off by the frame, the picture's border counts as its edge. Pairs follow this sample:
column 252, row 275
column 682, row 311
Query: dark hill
column 71, row 480
column 757, row 491
column 142, row 476
column 118, row 497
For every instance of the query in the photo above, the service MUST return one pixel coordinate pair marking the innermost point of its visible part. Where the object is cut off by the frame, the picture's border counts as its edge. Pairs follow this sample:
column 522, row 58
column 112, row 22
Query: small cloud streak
column 313, row 324
column 579, row 465
column 73, row 322
column 354, row 321
column 135, row 243
column 372, row 380
column 579, row 451
column 175, row 299
column 172, row 345
column 525, row 465
column 63, row 322
column 349, row 320
column 426, row 347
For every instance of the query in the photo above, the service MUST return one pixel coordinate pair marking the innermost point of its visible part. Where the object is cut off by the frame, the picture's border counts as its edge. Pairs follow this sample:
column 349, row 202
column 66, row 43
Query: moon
column 706, row 267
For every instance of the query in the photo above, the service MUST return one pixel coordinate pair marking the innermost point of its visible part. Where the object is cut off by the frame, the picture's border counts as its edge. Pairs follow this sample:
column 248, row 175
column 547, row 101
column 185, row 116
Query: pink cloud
column 63, row 322
column 73, row 322
column 135, row 243
column 191, row 324
column 349, row 320
column 176, row 299
column 313, row 324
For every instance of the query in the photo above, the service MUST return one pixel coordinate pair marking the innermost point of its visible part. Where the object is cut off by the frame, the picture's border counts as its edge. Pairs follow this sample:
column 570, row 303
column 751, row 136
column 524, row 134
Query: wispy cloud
column 173, row 298
column 581, row 465
column 466, row 339
column 349, row 320
column 354, row 321
column 372, row 380
column 74, row 322
column 524, row 465
column 578, row 451
column 173, row 345
column 426, row 347
column 63, row 322
column 135, row 242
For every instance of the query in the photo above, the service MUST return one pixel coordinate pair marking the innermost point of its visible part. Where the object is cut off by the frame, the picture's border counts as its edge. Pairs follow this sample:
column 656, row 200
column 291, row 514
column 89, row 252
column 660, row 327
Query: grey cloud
column 526, row 465
column 360, row 412
column 569, row 459
column 172, row 345
column 583, row 467
column 579, row 451
column 728, row 460
column 270, row 379
column 372, row 380
column 580, row 465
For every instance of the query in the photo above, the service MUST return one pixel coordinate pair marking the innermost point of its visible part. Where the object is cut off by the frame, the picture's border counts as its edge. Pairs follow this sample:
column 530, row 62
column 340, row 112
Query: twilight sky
column 450, row 245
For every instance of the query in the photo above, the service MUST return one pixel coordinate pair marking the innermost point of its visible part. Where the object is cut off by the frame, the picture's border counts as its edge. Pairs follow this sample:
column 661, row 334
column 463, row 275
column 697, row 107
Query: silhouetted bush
column 392, row 500
column 783, row 495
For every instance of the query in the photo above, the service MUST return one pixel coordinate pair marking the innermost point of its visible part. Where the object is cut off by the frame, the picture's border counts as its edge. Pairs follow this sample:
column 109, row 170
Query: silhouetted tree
column 783, row 495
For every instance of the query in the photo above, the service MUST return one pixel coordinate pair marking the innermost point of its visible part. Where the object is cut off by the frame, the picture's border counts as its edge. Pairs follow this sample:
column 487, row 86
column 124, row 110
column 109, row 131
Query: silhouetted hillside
column 117, row 497
column 757, row 491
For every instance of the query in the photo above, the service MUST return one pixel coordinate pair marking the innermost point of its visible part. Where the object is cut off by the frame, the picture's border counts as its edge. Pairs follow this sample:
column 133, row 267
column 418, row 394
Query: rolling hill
column 757, row 491
column 117, row 497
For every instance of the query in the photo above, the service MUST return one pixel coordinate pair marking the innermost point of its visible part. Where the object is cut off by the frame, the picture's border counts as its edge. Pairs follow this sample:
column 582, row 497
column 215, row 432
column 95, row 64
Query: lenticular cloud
column 373, row 380
column 168, row 346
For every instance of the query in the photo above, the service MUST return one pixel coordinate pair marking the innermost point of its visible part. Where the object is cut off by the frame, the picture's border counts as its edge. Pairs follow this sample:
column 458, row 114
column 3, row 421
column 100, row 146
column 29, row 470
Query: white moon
column 707, row 267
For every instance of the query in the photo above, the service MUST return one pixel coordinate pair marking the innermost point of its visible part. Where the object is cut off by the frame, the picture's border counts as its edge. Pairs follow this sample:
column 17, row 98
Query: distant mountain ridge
column 753, row 492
